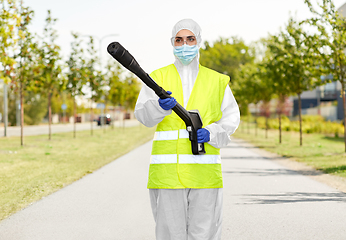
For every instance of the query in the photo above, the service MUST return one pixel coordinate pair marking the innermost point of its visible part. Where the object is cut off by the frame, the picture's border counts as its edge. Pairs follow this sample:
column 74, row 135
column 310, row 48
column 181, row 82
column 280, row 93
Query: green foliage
column 9, row 22
column 115, row 94
column 28, row 67
column 58, row 100
column 123, row 89
column 50, row 77
column 131, row 89
column 76, row 68
column 291, row 65
column 12, row 106
column 251, row 87
column 329, row 39
column 35, row 108
column 329, row 42
column 226, row 55
column 94, row 78
column 310, row 124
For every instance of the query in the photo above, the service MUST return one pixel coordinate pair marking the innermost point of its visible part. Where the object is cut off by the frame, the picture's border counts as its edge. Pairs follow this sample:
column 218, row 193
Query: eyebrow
column 186, row 36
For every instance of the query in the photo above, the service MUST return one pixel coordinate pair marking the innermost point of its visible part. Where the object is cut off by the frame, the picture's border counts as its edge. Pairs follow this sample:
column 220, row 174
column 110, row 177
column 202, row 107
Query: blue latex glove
column 167, row 103
column 203, row 135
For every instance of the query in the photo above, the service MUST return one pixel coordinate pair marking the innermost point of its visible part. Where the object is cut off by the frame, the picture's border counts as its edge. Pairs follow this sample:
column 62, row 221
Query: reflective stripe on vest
column 171, row 135
column 185, row 159
column 172, row 163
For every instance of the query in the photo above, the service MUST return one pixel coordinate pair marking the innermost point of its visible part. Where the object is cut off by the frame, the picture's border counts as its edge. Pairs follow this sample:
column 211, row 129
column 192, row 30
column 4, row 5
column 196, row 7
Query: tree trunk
column 279, row 111
column 50, row 116
column 248, row 125
column 91, row 119
column 280, row 127
column 5, row 110
column 75, row 117
column 266, row 126
column 21, row 115
column 256, row 120
column 344, row 106
column 105, row 114
column 300, row 120
column 113, row 117
column 124, row 120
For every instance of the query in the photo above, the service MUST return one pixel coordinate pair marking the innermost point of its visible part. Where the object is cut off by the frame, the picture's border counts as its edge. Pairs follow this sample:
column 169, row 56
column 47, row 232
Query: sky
column 144, row 27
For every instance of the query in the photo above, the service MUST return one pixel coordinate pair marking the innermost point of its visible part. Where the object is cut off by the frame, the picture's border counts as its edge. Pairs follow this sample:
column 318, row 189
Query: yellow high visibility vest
column 172, row 164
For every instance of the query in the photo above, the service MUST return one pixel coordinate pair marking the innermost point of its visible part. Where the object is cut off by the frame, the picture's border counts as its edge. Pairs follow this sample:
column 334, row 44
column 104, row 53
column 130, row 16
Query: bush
column 310, row 124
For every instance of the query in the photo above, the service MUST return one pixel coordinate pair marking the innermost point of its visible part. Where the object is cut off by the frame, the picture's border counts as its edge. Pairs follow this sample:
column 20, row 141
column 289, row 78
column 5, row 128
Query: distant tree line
column 303, row 55
column 40, row 81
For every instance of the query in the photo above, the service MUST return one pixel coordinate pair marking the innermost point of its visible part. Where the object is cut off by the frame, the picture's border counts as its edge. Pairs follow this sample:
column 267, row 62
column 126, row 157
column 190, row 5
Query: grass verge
column 42, row 167
column 319, row 151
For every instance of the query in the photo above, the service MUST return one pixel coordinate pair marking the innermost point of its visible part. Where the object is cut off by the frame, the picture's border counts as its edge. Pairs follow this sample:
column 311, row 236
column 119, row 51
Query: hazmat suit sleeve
column 147, row 110
column 221, row 130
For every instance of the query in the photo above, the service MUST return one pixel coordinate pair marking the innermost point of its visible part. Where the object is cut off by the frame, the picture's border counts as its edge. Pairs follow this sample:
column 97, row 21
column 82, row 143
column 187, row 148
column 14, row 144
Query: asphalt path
column 56, row 128
column 263, row 199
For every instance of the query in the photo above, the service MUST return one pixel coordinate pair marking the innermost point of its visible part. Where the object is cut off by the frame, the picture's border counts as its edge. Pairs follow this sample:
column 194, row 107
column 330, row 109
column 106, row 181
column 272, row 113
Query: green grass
column 319, row 151
column 42, row 167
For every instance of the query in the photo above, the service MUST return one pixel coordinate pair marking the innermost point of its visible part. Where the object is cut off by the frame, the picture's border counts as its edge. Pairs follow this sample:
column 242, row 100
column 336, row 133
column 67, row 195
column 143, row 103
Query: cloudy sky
column 144, row 26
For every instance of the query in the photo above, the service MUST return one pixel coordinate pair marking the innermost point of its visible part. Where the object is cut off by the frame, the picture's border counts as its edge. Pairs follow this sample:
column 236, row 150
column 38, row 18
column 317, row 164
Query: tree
column 76, row 74
column 123, row 89
column 58, row 100
column 226, row 56
column 27, row 69
column 297, row 63
column 9, row 22
column 266, row 91
column 275, row 65
column 35, row 108
column 329, row 42
column 131, row 89
column 51, row 80
column 115, row 94
column 249, row 87
column 93, row 77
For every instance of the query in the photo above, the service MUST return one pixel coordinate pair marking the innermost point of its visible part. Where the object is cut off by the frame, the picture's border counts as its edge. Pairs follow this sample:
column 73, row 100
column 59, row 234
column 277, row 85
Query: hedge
column 310, row 124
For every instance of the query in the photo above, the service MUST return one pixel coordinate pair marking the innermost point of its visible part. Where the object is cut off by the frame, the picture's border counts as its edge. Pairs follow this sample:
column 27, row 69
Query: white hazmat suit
column 188, row 213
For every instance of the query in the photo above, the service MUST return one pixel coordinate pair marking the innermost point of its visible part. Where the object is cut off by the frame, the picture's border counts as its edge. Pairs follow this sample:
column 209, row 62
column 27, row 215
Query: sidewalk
column 263, row 199
column 68, row 127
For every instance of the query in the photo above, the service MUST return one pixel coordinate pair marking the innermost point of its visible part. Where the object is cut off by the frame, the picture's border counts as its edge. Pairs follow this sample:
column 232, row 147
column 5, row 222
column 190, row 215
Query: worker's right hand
column 167, row 103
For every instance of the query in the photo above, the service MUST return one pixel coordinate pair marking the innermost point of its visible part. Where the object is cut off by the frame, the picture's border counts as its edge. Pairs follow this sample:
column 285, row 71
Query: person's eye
column 178, row 40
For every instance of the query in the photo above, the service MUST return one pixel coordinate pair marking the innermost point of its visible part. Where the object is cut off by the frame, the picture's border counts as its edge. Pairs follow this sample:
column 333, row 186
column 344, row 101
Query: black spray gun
column 192, row 118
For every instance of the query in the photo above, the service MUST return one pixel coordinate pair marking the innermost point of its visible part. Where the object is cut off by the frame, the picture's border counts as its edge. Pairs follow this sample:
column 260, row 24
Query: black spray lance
column 192, row 118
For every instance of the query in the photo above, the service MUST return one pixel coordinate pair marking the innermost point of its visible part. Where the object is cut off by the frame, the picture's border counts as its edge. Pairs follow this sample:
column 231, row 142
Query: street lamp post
column 100, row 44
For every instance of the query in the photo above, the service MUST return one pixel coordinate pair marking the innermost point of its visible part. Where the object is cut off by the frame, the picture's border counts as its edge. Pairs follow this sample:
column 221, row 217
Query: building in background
column 325, row 100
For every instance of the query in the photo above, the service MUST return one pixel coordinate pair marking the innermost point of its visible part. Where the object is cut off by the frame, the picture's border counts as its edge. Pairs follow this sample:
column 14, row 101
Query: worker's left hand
column 203, row 135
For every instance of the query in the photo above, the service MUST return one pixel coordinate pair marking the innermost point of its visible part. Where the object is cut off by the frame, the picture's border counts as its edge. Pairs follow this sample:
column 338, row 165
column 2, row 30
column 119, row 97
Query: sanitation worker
column 185, row 189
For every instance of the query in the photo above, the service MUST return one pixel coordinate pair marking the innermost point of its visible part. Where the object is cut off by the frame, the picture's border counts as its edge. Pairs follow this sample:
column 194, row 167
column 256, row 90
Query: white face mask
column 185, row 53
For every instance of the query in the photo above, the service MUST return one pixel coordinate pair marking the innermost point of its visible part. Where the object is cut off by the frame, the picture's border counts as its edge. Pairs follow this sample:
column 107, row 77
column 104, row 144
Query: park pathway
column 56, row 128
column 263, row 199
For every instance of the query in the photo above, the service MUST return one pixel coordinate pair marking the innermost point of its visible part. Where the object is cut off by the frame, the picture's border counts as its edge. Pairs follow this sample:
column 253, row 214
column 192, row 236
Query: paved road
column 43, row 129
column 263, row 199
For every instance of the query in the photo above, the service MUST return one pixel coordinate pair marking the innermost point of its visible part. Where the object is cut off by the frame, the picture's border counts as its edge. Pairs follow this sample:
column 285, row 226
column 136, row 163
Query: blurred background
column 55, row 68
